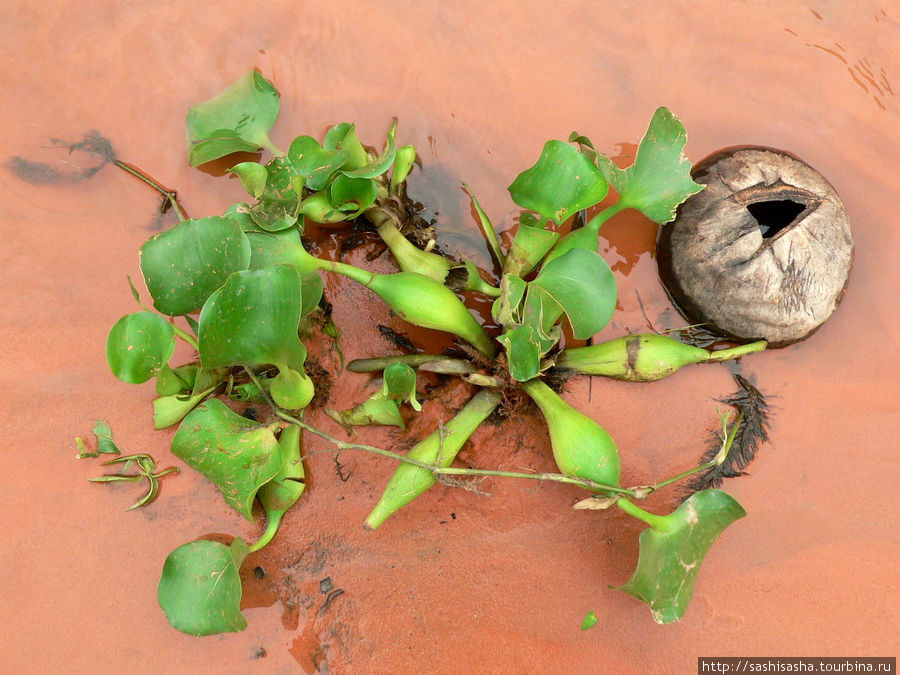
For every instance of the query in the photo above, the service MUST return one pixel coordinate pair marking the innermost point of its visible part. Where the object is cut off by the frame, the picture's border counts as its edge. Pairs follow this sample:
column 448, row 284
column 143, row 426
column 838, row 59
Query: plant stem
column 186, row 337
column 382, row 362
column 715, row 461
column 737, row 352
column 438, row 470
column 597, row 221
column 271, row 528
column 657, row 522
column 170, row 196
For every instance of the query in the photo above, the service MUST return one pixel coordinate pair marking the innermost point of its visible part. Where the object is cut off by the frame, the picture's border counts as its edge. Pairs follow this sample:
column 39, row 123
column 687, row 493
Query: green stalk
column 421, row 301
column 408, row 256
column 382, row 362
column 586, row 237
column 644, row 358
column 658, row 523
column 440, row 449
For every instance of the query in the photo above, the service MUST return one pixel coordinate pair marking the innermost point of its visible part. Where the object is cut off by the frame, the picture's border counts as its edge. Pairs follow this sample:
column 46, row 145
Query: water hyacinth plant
column 240, row 288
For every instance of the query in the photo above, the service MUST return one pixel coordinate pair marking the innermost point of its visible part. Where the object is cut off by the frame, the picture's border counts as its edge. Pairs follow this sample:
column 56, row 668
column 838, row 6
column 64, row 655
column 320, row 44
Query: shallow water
column 455, row 579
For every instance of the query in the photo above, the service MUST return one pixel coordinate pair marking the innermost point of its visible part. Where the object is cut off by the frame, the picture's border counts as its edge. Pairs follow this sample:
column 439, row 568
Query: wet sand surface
column 455, row 582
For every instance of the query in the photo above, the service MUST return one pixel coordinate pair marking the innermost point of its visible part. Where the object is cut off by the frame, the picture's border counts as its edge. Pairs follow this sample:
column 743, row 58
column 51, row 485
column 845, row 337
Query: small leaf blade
column 562, row 182
column 670, row 554
column 237, row 120
column 138, row 345
column 200, row 587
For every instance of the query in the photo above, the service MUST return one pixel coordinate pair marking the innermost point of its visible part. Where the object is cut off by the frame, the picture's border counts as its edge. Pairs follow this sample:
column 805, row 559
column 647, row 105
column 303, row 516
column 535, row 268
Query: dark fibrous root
column 753, row 432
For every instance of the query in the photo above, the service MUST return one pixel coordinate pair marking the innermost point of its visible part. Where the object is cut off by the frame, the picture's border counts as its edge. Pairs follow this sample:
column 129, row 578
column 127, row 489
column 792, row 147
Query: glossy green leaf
column 200, row 587
column 400, row 384
column 523, row 352
column 184, row 265
column 561, row 183
column 237, row 120
column 343, row 137
column 352, row 194
column 403, row 164
column 235, row 453
column 673, row 548
column 252, row 320
column 138, row 345
column 252, row 176
column 313, row 163
column 283, row 491
column 660, row 178
column 380, row 164
column 590, row 620
column 268, row 249
column 279, row 203
column 584, row 286
column 317, row 208
column 171, row 409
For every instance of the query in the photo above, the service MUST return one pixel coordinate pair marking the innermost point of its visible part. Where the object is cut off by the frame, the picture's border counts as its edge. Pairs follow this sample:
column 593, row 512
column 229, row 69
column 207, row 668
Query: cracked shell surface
column 722, row 268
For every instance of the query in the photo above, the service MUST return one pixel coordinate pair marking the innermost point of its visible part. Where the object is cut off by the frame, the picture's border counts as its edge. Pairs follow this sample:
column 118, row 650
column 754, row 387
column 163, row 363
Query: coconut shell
column 763, row 252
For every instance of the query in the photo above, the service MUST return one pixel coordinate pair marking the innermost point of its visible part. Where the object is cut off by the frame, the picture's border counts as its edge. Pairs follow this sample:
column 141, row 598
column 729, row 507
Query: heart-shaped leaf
column 313, row 163
column 235, row 453
column 237, row 120
column 279, row 203
column 660, row 178
column 200, row 587
column 352, row 194
column 584, row 286
column 139, row 345
column 252, row 320
column 400, row 384
column 561, row 183
column 252, row 176
column 343, row 137
column 672, row 549
column 184, row 265
column 380, row 164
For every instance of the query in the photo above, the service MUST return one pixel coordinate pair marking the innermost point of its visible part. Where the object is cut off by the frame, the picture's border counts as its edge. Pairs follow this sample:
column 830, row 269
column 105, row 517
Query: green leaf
column 377, row 409
column 105, row 442
column 313, row 163
column 200, row 587
column 352, row 194
column 590, row 620
column 530, row 245
column 285, row 247
column 279, row 202
column 672, row 549
column 253, row 177
column 283, row 491
column 138, row 345
column 506, row 309
column 400, row 384
column 380, row 164
column 343, row 137
column 252, row 320
column 171, row 409
column 235, row 453
column 561, row 183
column 237, row 120
column 184, row 265
column 523, row 352
column 403, row 164
column 584, row 286
column 660, row 178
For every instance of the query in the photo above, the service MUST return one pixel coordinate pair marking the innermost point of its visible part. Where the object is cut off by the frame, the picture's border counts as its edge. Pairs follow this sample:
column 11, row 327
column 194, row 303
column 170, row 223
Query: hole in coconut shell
column 773, row 216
